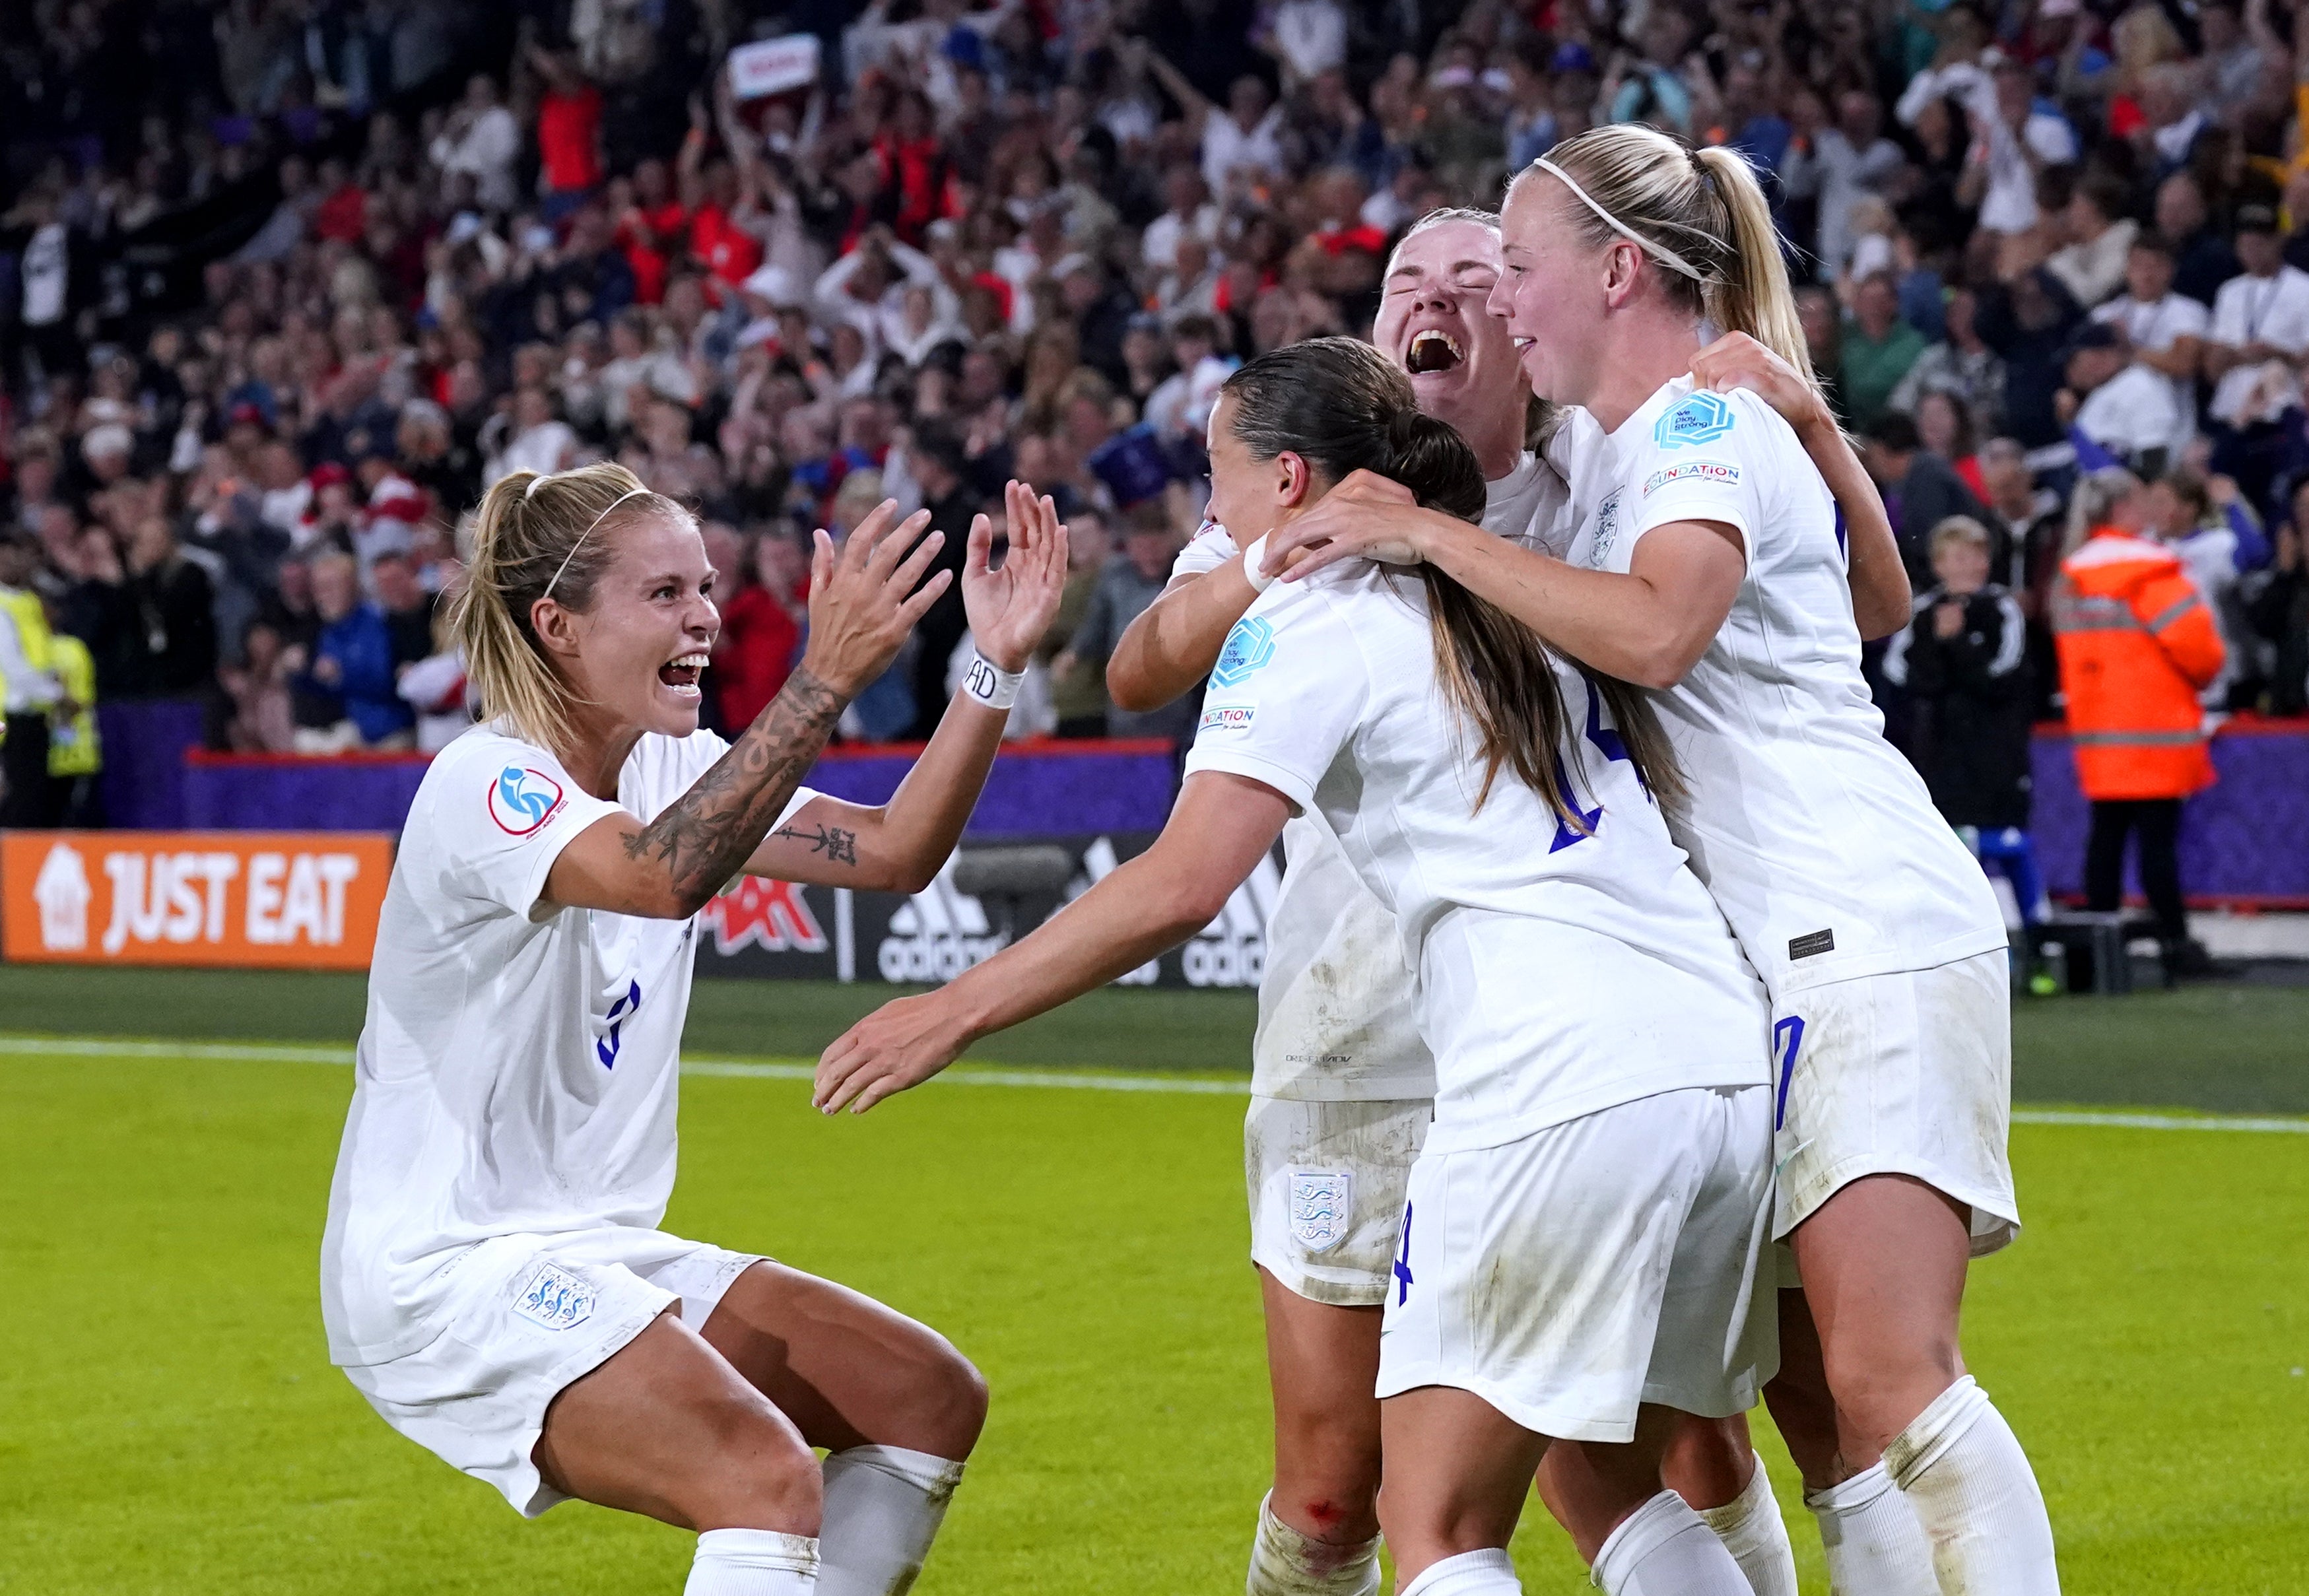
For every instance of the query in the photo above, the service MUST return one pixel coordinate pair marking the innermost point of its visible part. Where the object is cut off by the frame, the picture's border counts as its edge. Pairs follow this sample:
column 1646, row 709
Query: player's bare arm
column 1223, row 826
column 901, row 845
column 1648, row 627
column 859, row 614
column 1175, row 641
column 1880, row 580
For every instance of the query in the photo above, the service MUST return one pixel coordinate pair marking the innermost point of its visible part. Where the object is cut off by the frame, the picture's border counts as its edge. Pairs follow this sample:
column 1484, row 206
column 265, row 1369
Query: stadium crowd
column 911, row 248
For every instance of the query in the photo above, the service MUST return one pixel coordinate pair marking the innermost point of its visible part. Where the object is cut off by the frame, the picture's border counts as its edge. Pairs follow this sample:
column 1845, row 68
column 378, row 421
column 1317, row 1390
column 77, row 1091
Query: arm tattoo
column 839, row 846
column 704, row 838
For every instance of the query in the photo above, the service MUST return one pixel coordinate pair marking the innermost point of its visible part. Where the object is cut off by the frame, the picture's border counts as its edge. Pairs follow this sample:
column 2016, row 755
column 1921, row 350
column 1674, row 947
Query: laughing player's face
column 637, row 656
column 1432, row 323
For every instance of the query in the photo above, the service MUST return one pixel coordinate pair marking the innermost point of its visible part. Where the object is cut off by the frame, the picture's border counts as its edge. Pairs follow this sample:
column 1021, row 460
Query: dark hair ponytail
column 1338, row 404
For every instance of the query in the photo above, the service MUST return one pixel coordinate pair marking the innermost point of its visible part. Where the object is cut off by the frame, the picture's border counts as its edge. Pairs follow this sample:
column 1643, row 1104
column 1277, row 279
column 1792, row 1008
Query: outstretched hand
column 1362, row 518
column 902, row 1044
column 862, row 597
column 1010, row 609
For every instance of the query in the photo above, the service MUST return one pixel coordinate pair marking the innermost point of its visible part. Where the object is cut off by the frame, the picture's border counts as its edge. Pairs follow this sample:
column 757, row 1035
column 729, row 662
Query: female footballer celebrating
column 1583, row 1226
column 493, row 1278
column 1341, row 1087
column 1710, row 567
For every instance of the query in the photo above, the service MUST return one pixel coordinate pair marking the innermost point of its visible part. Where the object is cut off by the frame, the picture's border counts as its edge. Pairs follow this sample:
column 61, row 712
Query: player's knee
column 945, row 1401
column 1322, row 1456
column 1882, row 1385
column 756, row 1473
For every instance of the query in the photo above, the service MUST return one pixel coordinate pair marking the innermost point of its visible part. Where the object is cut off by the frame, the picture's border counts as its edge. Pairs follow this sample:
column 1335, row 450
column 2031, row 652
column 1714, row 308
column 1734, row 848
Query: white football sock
column 1285, row 1563
column 1487, row 1573
column 1665, row 1549
column 883, row 1506
column 753, row 1563
column 1962, row 1470
column 1875, row 1545
column 1748, row 1525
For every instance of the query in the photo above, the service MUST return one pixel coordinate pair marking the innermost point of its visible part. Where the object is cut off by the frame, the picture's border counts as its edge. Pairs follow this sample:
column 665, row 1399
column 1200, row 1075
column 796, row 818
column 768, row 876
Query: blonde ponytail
column 1754, row 296
column 1700, row 218
column 535, row 534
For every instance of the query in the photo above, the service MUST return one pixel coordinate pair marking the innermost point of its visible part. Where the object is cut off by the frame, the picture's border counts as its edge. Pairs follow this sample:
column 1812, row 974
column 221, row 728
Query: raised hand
column 902, row 1044
column 1010, row 610
column 859, row 611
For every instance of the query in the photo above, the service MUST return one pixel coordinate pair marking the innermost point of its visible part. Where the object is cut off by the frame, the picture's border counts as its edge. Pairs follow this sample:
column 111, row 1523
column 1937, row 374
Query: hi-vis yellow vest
column 72, row 748
column 23, row 607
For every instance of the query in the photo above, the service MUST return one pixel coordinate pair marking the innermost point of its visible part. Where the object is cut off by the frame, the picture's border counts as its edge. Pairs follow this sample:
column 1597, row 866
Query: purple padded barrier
column 145, row 742
column 1036, row 790
column 2244, row 840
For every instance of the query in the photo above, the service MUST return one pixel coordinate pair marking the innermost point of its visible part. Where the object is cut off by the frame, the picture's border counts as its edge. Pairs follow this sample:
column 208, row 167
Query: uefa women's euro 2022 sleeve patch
column 521, row 798
column 1701, row 419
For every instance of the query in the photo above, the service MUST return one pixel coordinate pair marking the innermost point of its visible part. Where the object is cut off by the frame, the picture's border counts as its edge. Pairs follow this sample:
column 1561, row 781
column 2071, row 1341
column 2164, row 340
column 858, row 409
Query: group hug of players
column 1634, row 1037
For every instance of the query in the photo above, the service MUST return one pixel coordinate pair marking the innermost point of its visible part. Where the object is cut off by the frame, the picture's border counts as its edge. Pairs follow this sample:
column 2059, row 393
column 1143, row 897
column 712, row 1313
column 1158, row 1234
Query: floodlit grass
column 171, row 1424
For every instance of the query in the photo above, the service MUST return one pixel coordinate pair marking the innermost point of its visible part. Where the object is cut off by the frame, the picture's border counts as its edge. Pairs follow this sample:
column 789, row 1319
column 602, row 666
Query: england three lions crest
column 1322, row 1207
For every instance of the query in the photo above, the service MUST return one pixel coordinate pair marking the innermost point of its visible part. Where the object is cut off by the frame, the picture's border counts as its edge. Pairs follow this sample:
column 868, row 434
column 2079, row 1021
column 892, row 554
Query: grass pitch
column 171, row 1424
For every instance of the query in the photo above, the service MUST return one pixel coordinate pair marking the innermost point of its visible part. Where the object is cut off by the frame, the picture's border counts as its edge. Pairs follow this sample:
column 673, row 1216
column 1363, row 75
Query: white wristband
column 1251, row 558
column 989, row 684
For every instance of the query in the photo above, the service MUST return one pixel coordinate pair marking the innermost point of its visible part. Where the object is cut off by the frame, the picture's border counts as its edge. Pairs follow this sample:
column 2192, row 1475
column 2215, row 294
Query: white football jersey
column 1335, row 1013
column 516, row 1070
column 1560, row 970
column 1815, row 835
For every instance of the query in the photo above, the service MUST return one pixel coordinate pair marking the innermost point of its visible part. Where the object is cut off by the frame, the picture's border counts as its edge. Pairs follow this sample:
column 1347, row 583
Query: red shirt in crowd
column 923, row 178
column 647, row 242
column 728, row 250
column 754, row 655
column 569, row 139
column 343, row 215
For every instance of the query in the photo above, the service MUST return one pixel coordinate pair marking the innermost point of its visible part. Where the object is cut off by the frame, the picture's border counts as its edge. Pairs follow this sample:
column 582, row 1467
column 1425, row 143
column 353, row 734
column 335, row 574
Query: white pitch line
column 39, row 1047
column 2159, row 1122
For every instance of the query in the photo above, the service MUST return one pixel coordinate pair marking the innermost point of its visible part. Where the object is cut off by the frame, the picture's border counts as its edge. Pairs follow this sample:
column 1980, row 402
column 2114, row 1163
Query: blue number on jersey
column 1565, row 836
column 621, row 1010
column 1786, row 1034
column 1607, row 738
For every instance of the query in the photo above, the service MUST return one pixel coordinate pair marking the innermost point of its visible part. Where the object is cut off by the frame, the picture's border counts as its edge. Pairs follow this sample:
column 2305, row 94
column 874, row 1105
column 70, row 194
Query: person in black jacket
column 1964, row 663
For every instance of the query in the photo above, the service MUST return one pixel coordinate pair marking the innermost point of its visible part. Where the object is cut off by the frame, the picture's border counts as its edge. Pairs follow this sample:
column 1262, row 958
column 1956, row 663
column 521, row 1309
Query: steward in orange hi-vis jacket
column 2136, row 643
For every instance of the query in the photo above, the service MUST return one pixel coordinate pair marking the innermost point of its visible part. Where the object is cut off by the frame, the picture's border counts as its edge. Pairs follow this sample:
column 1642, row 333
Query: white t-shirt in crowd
column 1226, row 146
column 516, row 1070
column 1816, row 837
column 1561, row 970
column 2132, row 411
column 2157, row 326
column 2271, row 310
column 1335, row 1011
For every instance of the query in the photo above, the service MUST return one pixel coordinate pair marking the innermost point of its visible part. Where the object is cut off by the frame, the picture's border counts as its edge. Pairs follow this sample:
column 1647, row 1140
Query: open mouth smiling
column 1432, row 349
column 681, row 673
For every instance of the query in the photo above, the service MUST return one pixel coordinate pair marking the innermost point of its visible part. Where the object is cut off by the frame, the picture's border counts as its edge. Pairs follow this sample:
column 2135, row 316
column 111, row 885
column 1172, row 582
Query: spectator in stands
column 34, row 694
column 1077, row 687
column 938, row 464
column 2165, row 330
column 2136, row 644
column 2277, row 605
column 2202, row 259
column 167, row 613
column 407, row 609
column 1921, row 490
column 1877, row 348
column 761, row 627
column 1964, row 665
column 2027, row 316
column 260, row 716
column 2119, row 404
column 1961, row 366
column 482, row 141
column 2260, row 319
column 1131, row 579
column 353, row 661
column 2092, row 264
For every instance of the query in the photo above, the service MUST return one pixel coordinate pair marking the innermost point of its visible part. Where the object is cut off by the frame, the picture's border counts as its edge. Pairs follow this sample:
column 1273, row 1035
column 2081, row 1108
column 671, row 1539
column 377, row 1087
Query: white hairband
column 588, row 532
column 1652, row 247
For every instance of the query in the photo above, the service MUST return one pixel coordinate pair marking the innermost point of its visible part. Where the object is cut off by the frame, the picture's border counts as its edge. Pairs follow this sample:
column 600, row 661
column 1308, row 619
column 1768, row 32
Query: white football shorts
column 1906, row 1074
column 1326, row 1179
column 1609, row 1261
column 526, row 1317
